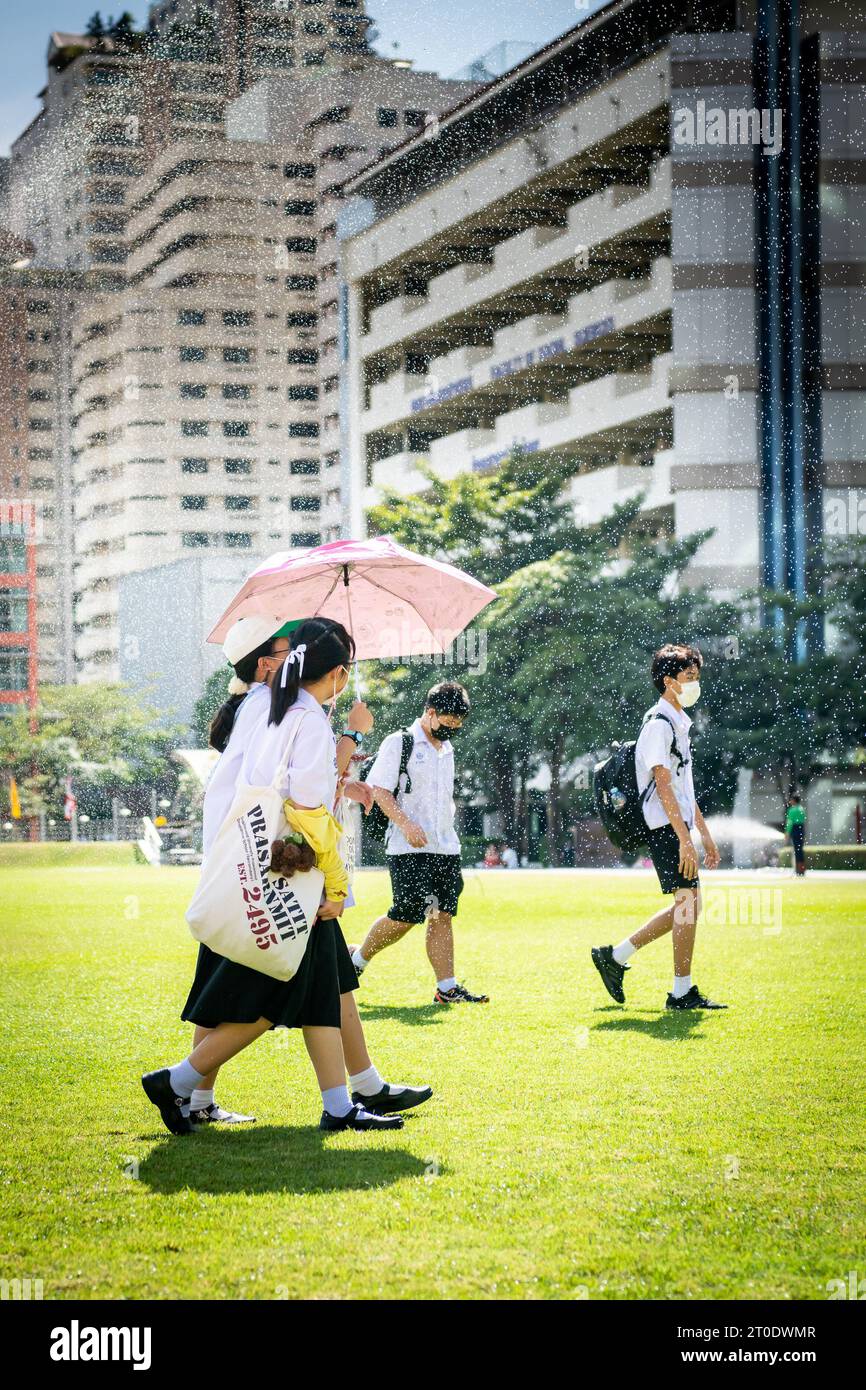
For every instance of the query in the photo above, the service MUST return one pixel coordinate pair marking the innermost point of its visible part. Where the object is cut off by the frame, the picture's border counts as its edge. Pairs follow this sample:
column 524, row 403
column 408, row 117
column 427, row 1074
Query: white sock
column 336, row 1101
column 623, row 951
column 200, row 1100
column 184, row 1078
column 450, row 983
column 358, row 961
column 682, row 985
column 368, row 1082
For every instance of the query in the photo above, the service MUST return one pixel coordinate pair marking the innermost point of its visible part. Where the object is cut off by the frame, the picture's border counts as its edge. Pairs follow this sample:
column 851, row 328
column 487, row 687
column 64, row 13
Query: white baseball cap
column 247, row 634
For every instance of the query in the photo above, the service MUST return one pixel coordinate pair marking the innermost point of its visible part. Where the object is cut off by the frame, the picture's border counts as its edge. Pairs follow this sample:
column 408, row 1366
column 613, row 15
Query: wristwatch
column 353, row 734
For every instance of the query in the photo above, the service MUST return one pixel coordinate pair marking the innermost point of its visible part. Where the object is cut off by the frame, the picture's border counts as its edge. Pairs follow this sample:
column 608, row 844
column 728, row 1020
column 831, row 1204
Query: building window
column 299, row 171
column 303, row 429
column 239, row 540
column 386, row 116
column 193, row 354
column 301, row 282
column 314, row 59
column 302, row 319
column 191, row 318
column 237, row 354
column 237, row 318
column 299, row 207
column 193, row 504
column 236, row 393
column 195, row 429
column 304, row 467
column 193, row 465
column 414, row 119
column 305, row 244
column 194, row 539
column 303, row 357
column 305, row 538
column 193, row 391
column 236, row 429
column 238, row 504
column 305, row 504
column 303, row 393
column 238, row 466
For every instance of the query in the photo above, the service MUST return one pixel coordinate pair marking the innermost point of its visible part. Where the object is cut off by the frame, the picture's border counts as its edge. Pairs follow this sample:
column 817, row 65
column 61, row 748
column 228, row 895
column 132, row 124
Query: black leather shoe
column 387, row 1101
column 693, row 999
column 359, row 1118
column 610, row 970
column 158, row 1088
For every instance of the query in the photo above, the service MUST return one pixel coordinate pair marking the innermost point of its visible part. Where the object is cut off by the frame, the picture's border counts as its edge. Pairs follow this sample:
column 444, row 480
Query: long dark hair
column 245, row 671
column 327, row 644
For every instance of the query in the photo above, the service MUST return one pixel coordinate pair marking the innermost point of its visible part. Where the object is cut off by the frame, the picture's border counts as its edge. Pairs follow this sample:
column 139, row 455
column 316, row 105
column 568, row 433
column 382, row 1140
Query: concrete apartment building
column 561, row 265
column 205, row 390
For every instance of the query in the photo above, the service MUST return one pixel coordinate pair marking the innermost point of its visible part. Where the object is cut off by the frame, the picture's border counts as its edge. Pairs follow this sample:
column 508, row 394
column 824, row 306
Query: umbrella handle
column 355, row 669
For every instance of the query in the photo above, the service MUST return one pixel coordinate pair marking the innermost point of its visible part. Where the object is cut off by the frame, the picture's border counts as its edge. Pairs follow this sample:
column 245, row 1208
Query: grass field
column 573, row 1148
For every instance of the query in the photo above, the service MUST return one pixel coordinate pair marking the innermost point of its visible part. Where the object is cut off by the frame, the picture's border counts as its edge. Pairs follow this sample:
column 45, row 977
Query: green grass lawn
column 572, row 1149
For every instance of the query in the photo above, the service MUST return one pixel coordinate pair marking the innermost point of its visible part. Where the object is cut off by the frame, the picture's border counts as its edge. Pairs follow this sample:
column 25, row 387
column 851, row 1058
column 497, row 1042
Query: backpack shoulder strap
column 674, row 745
column 405, row 755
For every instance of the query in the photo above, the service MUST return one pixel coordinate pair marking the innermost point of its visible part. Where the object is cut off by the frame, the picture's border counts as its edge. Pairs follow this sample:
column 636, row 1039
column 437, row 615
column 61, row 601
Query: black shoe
column 386, row 1101
column 459, row 995
column 610, row 970
column 158, row 1088
column 692, row 1000
column 359, row 1118
column 214, row 1114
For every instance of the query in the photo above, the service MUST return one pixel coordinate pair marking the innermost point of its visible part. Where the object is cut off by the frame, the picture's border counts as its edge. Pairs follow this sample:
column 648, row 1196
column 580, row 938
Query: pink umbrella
column 394, row 602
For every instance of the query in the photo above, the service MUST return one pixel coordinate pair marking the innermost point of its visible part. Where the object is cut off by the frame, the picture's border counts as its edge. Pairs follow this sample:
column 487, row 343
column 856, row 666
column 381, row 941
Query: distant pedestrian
column 795, row 828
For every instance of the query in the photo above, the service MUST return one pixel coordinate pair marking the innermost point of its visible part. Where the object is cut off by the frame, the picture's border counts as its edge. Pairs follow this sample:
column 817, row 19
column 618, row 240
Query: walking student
column 663, row 762
column 234, row 1004
column 795, row 828
column 421, row 843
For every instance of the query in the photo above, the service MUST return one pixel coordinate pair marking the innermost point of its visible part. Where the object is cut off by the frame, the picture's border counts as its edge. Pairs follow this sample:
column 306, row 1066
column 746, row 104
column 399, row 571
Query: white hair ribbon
column 295, row 655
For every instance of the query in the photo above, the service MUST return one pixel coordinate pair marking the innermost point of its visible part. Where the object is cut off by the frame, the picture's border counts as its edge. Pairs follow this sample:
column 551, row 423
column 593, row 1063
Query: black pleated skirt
column 223, row 992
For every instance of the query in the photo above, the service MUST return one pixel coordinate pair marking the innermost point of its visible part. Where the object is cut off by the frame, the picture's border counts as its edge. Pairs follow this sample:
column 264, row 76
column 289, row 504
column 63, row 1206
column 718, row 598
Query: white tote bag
column 240, row 910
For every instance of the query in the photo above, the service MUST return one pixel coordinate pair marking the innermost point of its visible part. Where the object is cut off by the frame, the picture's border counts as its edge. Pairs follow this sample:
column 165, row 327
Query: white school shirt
column 430, row 803
column 654, row 746
column 311, row 777
column 222, row 783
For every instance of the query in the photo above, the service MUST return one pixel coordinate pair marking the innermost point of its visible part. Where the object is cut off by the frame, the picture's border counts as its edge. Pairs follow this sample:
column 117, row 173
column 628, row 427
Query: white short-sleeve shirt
column 222, row 783
column 430, row 802
column 311, row 776
column 654, row 747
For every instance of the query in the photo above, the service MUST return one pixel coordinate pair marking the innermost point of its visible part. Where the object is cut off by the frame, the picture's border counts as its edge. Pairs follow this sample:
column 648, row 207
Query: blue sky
column 441, row 36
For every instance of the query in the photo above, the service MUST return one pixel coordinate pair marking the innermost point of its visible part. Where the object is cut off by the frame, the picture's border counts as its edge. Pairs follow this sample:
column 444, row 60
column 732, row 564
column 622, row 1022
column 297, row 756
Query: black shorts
column 423, row 883
column 664, row 848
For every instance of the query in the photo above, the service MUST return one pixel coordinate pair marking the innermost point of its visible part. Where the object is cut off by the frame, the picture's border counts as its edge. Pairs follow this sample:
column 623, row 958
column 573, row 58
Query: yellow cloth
column 322, row 832
column 14, row 799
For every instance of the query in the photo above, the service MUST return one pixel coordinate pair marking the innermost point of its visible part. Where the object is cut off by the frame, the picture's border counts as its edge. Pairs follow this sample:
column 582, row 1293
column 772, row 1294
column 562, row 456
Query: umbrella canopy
column 394, row 602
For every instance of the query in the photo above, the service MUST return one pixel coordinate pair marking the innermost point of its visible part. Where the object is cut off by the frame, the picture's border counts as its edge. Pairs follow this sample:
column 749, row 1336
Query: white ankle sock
column 336, row 1101
column 623, row 951
column 450, row 983
column 682, row 985
column 184, row 1078
column 368, row 1082
column 200, row 1100
column 358, row 961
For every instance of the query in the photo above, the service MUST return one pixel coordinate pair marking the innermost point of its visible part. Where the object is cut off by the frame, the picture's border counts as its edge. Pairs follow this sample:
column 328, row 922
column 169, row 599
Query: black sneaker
column 459, row 995
column 692, row 1000
column 359, row 1118
column 158, row 1088
column 215, row 1115
column 386, row 1101
column 610, row 970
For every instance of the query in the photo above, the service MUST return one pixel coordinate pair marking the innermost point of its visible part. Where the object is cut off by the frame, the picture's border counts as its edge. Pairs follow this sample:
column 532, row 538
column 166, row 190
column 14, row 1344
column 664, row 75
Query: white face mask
column 690, row 693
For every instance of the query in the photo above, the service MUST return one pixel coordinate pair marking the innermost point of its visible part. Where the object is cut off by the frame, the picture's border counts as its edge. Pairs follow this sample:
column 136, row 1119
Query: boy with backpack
column 653, row 802
column 412, row 779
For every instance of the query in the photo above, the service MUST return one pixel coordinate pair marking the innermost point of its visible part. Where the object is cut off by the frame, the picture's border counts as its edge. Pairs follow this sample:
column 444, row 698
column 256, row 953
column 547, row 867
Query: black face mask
column 444, row 733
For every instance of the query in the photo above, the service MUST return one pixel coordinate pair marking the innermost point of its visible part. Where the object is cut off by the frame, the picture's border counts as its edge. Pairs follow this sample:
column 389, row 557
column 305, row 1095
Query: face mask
column 444, row 733
column 689, row 694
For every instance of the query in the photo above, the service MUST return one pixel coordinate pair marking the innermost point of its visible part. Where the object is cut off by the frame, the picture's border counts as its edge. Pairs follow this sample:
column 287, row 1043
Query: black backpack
column 617, row 800
column 376, row 822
